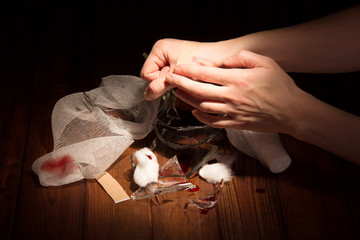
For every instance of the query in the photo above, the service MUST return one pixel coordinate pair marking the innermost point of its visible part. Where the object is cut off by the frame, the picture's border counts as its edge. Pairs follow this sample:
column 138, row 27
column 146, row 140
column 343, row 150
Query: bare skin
column 243, row 81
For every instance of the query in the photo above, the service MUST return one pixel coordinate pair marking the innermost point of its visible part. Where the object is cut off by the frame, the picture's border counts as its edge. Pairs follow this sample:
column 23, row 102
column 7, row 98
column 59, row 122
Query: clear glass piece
column 210, row 201
column 171, row 179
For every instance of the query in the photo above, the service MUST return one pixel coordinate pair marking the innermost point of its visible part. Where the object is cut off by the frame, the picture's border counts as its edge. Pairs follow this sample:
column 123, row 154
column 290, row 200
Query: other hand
column 252, row 93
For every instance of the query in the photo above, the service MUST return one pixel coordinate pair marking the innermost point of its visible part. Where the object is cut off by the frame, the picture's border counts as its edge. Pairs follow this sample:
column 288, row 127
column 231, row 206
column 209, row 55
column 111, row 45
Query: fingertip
column 147, row 94
column 150, row 95
column 156, row 89
column 195, row 112
column 164, row 71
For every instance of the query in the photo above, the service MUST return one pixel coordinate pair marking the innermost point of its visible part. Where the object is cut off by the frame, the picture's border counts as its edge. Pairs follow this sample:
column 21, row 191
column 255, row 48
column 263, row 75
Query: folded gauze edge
column 87, row 138
column 266, row 147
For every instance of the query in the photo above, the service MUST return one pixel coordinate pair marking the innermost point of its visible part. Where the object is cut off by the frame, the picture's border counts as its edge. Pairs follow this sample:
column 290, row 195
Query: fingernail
column 146, row 92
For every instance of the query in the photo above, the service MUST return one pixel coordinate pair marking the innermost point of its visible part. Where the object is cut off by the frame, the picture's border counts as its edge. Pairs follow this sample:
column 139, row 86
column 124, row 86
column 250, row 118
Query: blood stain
column 260, row 190
column 62, row 165
column 204, row 211
column 195, row 189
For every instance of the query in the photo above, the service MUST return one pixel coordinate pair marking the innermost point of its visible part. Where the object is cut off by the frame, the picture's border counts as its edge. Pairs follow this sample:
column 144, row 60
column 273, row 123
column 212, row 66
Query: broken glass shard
column 210, row 201
column 171, row 179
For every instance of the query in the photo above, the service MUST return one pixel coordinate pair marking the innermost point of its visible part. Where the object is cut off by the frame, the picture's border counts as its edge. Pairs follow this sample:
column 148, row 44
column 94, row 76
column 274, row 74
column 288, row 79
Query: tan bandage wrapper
column 113, row 188
column 187, row 52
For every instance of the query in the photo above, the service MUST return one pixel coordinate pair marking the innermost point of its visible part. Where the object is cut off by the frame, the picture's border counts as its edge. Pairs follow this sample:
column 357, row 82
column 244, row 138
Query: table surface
column 318, row 197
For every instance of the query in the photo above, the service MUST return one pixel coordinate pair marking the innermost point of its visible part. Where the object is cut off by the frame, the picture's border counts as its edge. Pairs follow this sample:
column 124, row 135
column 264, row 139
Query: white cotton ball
column 147, row 168
column 214, row 173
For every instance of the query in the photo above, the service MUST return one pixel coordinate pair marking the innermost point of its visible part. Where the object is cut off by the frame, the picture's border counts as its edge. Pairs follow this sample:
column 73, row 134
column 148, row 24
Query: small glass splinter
column 210, row 201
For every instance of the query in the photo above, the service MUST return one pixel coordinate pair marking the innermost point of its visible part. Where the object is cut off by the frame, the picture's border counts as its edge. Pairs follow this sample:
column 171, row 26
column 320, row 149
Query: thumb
column 244, row 59
column 156, row 89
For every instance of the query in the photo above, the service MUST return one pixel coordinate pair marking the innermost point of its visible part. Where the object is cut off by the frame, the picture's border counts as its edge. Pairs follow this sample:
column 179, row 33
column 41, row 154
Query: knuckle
column 243, row 53
column 161, row 43
column 231, row 99
column 204, row 107
column 199, row 91
column 268, row 60
column 204, row 74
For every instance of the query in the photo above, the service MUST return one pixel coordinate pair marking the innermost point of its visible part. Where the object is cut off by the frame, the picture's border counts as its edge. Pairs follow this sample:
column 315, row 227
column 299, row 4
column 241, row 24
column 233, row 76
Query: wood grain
column 50, row 50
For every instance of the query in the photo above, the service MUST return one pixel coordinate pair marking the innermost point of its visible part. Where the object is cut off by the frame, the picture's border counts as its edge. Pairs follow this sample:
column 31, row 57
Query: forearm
column 327, row 127
column 328, row 44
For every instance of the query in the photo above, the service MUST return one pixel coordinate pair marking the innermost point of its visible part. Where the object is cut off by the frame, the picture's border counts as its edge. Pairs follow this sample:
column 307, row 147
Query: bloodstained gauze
column 62, row 166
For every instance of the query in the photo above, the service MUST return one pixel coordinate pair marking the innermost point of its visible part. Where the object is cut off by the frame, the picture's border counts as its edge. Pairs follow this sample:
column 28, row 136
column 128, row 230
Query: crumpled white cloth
column 88, row 135
column 266, row 147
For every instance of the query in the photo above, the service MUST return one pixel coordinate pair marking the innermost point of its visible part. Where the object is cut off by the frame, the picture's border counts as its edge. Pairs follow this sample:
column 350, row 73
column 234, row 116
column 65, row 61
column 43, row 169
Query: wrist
column 299, row 113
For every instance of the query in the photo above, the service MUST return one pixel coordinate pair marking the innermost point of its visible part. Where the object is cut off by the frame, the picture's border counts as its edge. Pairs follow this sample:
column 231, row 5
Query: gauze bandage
column 92, row 129
column 265, row 147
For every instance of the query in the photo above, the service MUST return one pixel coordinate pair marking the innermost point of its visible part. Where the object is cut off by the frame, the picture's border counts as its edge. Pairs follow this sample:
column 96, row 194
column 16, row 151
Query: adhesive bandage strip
column 113, row 188
column 187, row 52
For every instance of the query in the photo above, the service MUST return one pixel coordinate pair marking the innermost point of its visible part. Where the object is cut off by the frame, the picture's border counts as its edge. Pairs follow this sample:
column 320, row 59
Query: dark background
column 93, row 39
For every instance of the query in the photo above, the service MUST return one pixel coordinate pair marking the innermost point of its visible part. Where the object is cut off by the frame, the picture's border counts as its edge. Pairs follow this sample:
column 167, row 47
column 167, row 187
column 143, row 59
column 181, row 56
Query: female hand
column 253, row 93
column 164, row 56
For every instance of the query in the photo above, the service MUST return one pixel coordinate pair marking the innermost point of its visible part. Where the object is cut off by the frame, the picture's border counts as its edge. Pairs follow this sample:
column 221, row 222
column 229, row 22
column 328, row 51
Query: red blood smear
column 260, row 190
column 204, row 211
column 211, row 198
column 62, row 165
column 149, row 157
column 195, row 189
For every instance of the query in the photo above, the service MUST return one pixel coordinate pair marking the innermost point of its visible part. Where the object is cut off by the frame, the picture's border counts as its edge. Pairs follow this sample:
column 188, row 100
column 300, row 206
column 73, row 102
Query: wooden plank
column 16, row 79
column 347, row 183
column 48, row 212
column 106, row 220
column 12, row 151
column 173, row 217
column 250, row 206
column 43, row 211
column 311, row 196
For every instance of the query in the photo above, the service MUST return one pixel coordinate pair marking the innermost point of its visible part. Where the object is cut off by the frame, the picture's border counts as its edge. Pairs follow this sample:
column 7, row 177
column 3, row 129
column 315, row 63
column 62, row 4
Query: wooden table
column 65, row 49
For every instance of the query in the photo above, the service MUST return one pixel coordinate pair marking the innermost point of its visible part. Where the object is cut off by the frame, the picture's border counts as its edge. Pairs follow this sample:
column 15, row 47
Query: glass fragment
column 171, row 179
column 210, row 201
